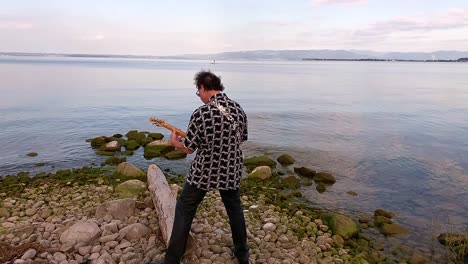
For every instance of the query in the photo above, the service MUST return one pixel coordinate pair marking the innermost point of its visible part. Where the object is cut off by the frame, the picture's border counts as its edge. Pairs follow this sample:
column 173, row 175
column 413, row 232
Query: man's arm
column 178, row 144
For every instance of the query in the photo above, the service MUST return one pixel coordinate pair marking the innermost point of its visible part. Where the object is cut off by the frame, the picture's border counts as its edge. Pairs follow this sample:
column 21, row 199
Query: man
column 216, row 131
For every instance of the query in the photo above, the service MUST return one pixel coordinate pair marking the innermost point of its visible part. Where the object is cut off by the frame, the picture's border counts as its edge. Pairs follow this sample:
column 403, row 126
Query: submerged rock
column 384, row 213
column 286, row 160
column 305, row 172
column 394, row 229
column 321, row 187
column 32, row 154
column 98, row 141
column 324, row 177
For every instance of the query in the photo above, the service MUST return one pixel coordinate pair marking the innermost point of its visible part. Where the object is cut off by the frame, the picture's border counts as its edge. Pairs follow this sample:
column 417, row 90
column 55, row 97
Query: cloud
column 451, row 19
column 336, row 2
column 12, row 24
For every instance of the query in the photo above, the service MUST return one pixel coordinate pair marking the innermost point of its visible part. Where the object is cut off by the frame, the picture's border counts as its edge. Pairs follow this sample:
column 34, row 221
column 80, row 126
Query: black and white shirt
column 217, row 130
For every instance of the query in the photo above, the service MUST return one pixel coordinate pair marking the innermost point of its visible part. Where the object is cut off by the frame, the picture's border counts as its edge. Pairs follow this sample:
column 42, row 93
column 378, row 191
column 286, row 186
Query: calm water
column 395, row 133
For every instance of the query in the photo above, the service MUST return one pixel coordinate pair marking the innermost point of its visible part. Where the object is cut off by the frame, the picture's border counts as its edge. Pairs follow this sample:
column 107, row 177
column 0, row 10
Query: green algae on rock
column 324, row 177
column 262, row 172
column 175, row 155
column 286, row 160
column 253, row 162
column 32, row 154
column 130, row 189
column 341, row 225
column 291, row 182
column 305, row 172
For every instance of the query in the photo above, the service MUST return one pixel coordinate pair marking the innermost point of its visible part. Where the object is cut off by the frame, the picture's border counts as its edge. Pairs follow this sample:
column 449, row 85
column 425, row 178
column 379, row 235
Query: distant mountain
column 324, row 54
column 291, row 55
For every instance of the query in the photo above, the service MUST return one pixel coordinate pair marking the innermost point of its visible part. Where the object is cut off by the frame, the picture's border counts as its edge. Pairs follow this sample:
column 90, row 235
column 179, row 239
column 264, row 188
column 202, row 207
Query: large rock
column 286, row 160
column 129, row 171
column 342, row 225
column 117, row 209
column 156, row 136
column 98, row 141
column 81, row 232
column 262, row 172
column 134, row 232
column 130, row 189
column 394, row 229
column 135, row 135
column 305, row 172
column 157, row 148
column 252, row 163
column 132, row 145
column 324, row 177
column 111, row 146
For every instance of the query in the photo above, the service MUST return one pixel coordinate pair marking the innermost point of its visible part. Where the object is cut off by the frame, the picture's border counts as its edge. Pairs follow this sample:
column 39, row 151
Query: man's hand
column 176, row 141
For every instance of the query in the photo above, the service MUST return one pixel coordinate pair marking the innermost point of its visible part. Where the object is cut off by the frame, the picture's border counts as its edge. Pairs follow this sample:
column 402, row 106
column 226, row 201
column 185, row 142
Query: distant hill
column 290, row 55
column 324, row 54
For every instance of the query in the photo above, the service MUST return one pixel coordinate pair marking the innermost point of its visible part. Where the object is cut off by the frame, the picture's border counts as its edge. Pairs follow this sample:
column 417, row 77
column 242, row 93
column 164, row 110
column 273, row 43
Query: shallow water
column 395, row 133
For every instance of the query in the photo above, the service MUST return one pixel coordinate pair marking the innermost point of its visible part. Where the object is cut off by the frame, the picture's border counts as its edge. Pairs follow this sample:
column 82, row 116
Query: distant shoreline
column 112, row 56
column 459, row 60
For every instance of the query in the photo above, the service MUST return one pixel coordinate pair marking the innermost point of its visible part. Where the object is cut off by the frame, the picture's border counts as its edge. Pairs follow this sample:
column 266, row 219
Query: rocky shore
column 86, row 216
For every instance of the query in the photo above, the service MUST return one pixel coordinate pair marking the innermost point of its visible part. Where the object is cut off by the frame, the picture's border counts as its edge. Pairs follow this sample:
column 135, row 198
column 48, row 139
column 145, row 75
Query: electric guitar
column 161, row 123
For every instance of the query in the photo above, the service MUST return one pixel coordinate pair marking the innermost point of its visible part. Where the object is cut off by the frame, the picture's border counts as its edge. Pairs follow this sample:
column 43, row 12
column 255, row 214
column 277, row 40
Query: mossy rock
column 153, row 151
column 156, row 136
column 381, row 220
column 32, row 154
column 129, row 171
column 175, row 154
column 135, row 135
column 127, row 152
column 130, row 189
column 252, row 163
column 98, row 141
column 145, row 141
column 341, row 225
column 324, row 177
column 115, row 160
column 10, row 180
column 132, row 145
column 384, row 213
column 394, row 229
column 40, row 164
column 117, row 135
column 291, row 182
column 286, row 160
column 261, row 172
column 307, row 182
column 321, row 187
column 105, row 153
column 288, row 194
column 305, row 172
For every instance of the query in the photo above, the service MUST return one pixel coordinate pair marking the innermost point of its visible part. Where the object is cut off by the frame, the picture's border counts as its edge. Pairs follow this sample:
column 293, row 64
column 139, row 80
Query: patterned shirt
column 217, row 130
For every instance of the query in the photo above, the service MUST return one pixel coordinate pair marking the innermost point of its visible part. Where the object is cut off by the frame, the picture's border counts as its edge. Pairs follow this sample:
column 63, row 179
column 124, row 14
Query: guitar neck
column 178, row 131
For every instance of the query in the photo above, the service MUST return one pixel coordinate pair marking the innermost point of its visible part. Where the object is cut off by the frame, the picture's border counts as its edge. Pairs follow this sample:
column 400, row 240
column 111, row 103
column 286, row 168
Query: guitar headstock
column 157, row 121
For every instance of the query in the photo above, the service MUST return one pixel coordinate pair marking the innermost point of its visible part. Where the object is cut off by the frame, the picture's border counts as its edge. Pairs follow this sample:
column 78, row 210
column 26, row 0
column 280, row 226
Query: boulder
column 252, row 163
column 305, row 172
column 112, row 146
column 98, row 141
column 117, row 135
column 291, row 182
column 341, row 225
column 157, row 148
column 81, row 232
column 262, row 172
column 134, row 232
column 394, row 229
column 324, row 177
column 175, row 155
column 117, row 209
column 132, row 145
column 135, row 135
column 286, row 160
column 129, row 171
column 156, row 136
column 130, row 189
column 146, row 140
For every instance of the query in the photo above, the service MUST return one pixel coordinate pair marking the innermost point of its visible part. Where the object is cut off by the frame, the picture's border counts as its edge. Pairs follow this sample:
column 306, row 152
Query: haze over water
column 394, row 133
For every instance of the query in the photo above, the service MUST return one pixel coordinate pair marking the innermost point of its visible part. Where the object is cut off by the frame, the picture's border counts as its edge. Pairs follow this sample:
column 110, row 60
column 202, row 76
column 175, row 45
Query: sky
column 151, row 27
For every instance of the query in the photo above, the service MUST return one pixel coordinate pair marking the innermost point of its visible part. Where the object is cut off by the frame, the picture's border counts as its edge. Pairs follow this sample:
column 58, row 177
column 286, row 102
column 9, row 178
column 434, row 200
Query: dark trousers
column 186, row 208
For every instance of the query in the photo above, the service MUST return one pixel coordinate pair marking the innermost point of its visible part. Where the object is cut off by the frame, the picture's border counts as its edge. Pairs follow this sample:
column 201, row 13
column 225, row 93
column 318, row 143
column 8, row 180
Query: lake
column 396, row 133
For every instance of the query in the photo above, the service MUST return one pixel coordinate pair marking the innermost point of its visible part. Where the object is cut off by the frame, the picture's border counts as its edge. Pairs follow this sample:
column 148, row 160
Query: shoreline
column 59, row 200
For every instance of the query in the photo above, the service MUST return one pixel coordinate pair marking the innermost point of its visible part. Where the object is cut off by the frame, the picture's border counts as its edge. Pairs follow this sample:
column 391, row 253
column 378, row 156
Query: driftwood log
column 164, row 198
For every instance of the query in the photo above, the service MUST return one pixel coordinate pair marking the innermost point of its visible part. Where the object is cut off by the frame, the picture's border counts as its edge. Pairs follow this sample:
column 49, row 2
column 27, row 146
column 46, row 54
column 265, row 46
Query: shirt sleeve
column 192, row 141
column 245, row 134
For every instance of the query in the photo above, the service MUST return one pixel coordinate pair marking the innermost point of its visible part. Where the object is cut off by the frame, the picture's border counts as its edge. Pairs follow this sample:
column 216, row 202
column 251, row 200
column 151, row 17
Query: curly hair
column 208, row 80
